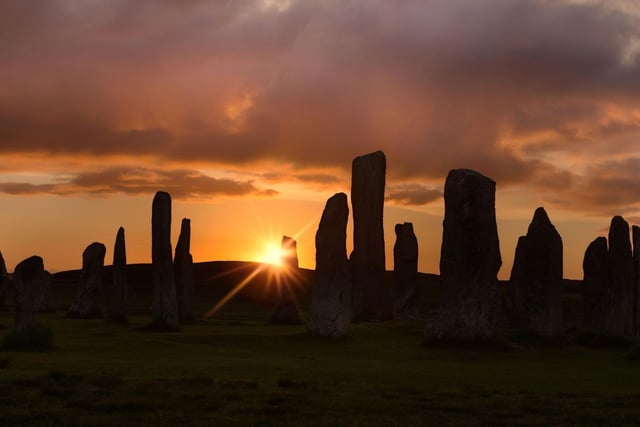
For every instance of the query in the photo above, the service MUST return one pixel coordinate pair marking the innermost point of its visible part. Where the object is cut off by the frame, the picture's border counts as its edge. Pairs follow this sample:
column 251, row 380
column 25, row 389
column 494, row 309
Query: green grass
column 239, row 370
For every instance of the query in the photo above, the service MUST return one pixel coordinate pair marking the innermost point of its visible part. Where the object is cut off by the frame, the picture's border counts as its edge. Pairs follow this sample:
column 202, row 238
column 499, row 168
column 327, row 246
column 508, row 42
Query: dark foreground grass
column 243, row 372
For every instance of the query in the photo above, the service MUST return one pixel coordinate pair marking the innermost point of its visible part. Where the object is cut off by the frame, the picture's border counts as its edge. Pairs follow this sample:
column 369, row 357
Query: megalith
column 331, row 292
column 619, row 312
column 285, row 309
column 635, row 232
column 536, row 277
column 31, row 283
column 371, row 296
column 165, row 305
column 183, row 269
column 4, row 281
column 469, row 259
column 86, row 304
column 119, row 291
column 595, row 285
column 405, row 272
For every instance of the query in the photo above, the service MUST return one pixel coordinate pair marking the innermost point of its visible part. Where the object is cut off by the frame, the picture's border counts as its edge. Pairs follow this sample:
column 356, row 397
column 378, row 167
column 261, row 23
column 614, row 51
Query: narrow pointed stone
column 86, row 304
column 619, row 311
column 285, row 310
column 371, row 297
column 331, row 292
column 4, row 281
column 405, row 272
column 183, row 267
column 469, row 260
column 536, row 277
column 119, row 292
column 31, row 283
column 595, row 285
column 165, row 305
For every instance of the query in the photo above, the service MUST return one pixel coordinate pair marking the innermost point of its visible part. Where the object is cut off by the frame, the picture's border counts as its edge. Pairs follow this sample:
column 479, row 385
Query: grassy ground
column 236, row 370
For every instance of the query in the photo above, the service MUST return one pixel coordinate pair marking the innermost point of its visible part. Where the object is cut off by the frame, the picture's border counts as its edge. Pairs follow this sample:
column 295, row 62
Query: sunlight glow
column 272, row 254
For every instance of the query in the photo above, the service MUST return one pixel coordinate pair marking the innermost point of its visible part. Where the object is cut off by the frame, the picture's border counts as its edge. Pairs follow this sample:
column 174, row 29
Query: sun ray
column 234, row 291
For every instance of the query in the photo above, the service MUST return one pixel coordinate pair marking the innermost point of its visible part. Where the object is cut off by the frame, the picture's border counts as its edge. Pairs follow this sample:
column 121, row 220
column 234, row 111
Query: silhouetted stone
column 331, row 293
column 636, row 279
column 285, row 310
column 619, row 310
column 371, row 296
column 31, row 283
column 405, row 272
column 595, row 285
column 536, row 277
column 165, row 305
column 183, row 268
column 86, row 305
column 469, row 260
column 4, row 281
column 119, row 292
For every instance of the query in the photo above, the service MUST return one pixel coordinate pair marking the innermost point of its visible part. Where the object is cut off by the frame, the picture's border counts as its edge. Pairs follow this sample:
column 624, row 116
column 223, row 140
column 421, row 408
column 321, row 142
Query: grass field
column 235, row 369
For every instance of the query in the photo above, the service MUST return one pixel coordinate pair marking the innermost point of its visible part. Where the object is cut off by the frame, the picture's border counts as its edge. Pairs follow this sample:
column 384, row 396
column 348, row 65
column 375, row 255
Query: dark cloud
column 182, row 184
column 412, row 194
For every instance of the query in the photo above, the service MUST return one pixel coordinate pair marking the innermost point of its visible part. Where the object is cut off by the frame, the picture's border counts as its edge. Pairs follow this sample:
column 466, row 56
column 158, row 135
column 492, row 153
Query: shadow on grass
column 593, row 340
column 495, row 343
column 157, row 326
column 36, row 337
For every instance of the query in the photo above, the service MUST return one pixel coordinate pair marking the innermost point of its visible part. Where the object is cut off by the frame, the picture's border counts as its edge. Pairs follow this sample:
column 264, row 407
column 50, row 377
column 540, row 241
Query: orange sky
column 250, row 112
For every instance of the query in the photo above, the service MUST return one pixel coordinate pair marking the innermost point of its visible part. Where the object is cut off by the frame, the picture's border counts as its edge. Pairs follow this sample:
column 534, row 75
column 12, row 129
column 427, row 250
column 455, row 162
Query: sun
column 272, row 254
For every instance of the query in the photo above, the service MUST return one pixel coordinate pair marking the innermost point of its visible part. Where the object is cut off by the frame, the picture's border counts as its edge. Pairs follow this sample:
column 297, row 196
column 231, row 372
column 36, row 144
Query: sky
column 249, row 112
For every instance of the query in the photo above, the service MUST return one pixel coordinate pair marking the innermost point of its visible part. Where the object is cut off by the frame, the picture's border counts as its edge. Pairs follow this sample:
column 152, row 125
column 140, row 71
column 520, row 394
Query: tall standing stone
column 119, row 292
column 183, row 268
column 86, row 304
column 636, row 279
column 536, row 277
column 405, row 272
column 331, row 292
column 371, row 295
column 469, row 260
column 285, row 310
column 595, row 285
column 31, row 283
column 165, row 305
column 4, row 281
column 619, row 312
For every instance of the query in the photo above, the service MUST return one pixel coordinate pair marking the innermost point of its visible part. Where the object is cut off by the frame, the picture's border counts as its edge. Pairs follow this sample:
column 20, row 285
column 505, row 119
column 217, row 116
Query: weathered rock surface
column 86, row 304
column 165, row 305
column 4, row 281
column 183, row 269
column 619, row 311
column 595, row 285
column 31, row 283
column 405, row 272
column 331, row 293
column 636, row 279
column 119, row 292
column 285, row 310
column 371, row 297
column 469, row 261
column 536, row 277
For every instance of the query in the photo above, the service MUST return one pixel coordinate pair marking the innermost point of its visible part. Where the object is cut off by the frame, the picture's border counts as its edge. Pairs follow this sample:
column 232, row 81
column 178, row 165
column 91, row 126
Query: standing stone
column 536, row 277
column 119, row 294
column 619, row 305
column 183, row 268
column 595, row 285
column 331, row 293
column 636, row 279
column 4, row 281
column 165, row 305
column 405, row 272
column 469, row 260
column 371, row 296
column 86, row 304
column 285, row 310
column 31, row 283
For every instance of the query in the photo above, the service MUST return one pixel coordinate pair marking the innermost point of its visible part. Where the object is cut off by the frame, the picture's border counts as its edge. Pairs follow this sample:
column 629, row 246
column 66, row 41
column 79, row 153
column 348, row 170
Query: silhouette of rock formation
column 595, row 285
column 4, row 281
column 636, row 279
column 619, row 318
column 285, row 310
column 165, row 305
column 31, row 283
column 119, row 292
column 469, row 261
column 371, row 296
column 86, row 304
column 405, row 272
column 331, row 292
column 536, row 277
column 183, row 269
